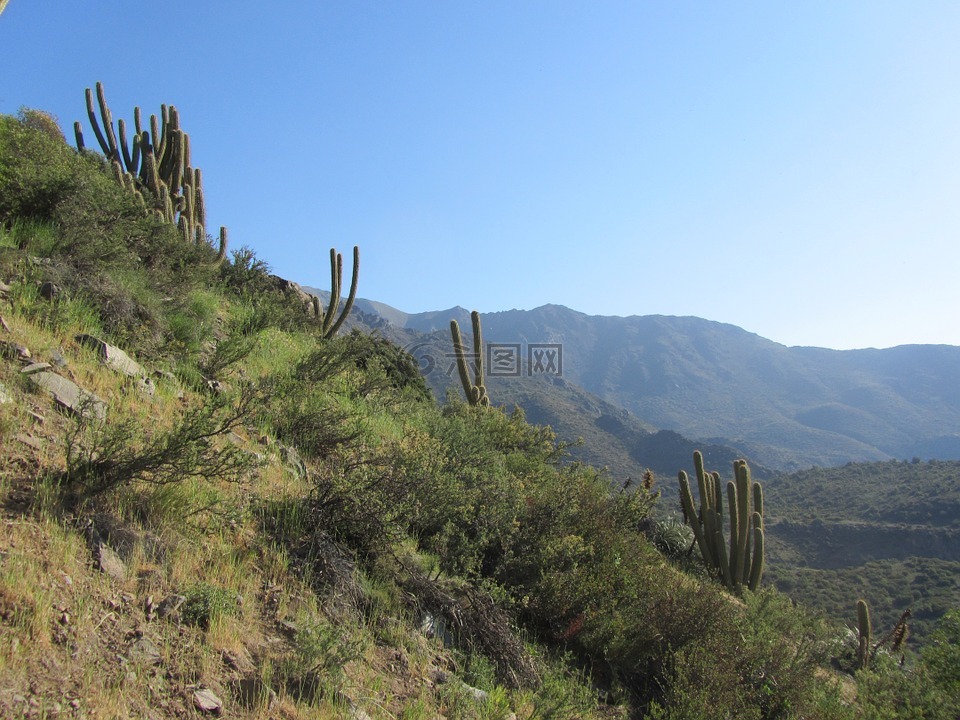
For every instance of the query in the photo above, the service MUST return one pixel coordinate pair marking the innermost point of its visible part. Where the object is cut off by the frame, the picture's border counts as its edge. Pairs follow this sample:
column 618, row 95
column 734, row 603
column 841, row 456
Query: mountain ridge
column 787, row 407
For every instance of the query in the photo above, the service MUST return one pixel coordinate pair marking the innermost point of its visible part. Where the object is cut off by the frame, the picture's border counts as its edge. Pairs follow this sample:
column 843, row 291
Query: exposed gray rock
column 14, row 351
column 70, row 396
column 29, row 441
column 57, row 358
column 144, row 651
column 35, row 368
column 206, row 701
column 5, row 396
column 107, row 561
column 113, row 357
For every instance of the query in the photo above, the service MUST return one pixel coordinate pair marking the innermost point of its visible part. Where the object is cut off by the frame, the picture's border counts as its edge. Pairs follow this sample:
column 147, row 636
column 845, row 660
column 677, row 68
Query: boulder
column 70, row 396
column 206, row 701
column 109, row 562
column 113, row 357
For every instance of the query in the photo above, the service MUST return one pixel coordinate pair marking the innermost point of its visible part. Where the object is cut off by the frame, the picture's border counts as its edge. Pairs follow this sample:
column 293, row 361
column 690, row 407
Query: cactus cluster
column 329, row 321
column 475, row 391
column 155, row 164
column 739, row 562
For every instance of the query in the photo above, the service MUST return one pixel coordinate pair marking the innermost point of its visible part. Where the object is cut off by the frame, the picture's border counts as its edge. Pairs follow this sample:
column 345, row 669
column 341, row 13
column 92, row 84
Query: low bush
column 103, row 455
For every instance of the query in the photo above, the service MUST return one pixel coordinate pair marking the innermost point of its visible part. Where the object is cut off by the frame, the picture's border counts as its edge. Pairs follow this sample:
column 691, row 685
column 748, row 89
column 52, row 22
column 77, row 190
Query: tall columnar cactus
column 475, row 391
column 739, row 563
column 864, row 651
column 155, row 164
column 329, row 321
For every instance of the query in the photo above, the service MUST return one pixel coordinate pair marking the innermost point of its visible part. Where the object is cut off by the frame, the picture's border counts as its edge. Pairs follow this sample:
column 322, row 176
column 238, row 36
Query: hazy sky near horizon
column 791, row 168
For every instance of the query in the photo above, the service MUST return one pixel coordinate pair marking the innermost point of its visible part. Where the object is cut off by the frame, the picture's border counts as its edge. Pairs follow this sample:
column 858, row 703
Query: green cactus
column 864, row 651
column 475, row 391
column 739, row 563
column 156, row 165
column 330, row 322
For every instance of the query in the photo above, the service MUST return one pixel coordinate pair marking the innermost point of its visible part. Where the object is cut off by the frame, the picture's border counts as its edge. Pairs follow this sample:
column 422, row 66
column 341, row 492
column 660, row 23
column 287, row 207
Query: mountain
column 784, row 407
column 612, row 436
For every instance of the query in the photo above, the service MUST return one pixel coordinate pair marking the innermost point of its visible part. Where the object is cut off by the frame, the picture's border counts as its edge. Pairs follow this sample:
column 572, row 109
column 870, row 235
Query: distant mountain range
column 785, row 408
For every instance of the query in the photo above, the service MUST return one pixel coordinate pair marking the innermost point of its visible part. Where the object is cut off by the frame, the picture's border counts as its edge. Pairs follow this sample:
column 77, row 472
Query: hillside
column 888, row 531
column 218, row 500
column 784, row 407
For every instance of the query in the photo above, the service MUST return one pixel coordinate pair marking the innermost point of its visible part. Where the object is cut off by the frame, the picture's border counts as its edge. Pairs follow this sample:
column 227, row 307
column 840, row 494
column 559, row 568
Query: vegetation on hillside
column 887, row 531
column 285, row 518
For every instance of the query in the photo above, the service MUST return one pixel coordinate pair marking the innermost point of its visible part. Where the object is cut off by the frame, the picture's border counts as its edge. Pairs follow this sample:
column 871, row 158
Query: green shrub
column 205, row 603
column 103, row 454
column 37, row 169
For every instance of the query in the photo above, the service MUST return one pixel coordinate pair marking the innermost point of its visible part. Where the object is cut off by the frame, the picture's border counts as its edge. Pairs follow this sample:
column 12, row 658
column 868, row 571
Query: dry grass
column 70, row 634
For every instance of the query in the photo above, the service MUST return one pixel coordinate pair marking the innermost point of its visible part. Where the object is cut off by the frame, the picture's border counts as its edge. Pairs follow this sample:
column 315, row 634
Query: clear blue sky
column 789, row 167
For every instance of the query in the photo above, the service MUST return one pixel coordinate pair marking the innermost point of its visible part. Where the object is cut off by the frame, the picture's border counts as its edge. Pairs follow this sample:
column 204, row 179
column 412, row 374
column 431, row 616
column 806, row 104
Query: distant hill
column 885, row 531
column 784, row 407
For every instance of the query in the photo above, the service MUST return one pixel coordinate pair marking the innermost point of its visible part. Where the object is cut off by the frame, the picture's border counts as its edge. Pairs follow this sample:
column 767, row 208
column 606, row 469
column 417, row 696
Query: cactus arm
column 94, row 123
column 336, row 275
column 689, row 511
column 78, row 135
column 734, row 529
column 477, row 348
column 222, row 247
column 742, row 476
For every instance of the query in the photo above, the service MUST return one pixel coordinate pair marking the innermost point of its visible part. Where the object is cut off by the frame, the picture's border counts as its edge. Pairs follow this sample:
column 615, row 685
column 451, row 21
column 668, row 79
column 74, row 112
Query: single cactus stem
column 863, row 634
column 477, row 349
column 95, row 124
column 756, row 566
column 690, row 513
column 200, row 207
column 336, row 277
column 458, row 350
column 742, row 474
column 222, row 245
column 78, row 135
column 184, row 226
column 734, row 528
column 155, row 135
column 131, row 160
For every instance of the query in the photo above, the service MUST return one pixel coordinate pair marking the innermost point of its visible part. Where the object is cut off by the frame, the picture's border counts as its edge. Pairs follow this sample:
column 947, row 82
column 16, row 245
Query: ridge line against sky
column 790, row 168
